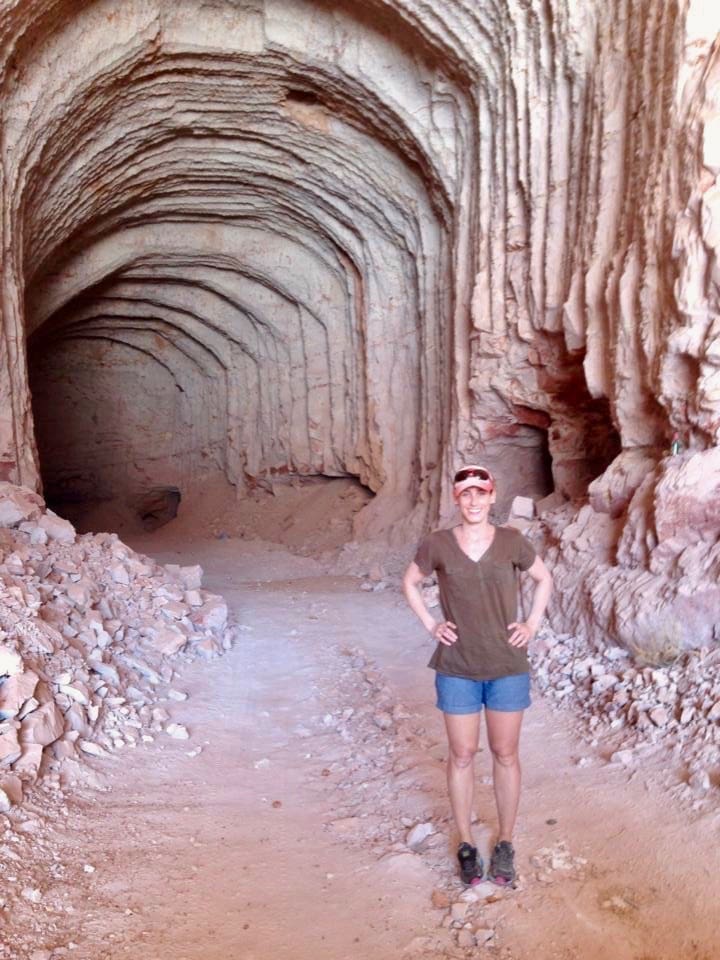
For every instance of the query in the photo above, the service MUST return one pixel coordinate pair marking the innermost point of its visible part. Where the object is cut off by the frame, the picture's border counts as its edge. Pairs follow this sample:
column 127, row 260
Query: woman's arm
column 445, row 631
column 524, row 631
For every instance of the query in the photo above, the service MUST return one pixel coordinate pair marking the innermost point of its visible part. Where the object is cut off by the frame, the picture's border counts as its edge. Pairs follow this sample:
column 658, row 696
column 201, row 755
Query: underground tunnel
column 274, row 287
column 272, row 270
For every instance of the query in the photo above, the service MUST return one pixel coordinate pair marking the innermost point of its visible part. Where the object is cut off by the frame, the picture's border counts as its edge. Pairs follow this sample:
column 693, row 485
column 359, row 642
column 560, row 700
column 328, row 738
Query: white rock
column 76, row 691
column 18, row 504
column 92, row 749
column 212, row 615
column 119, row 572
column 57, row 528
column 15, row 691
column 32, row 894
column 419, row 833
column 43, row 725
column 10, row 662
column 177, row 731
column 523, row 507
column 10, row 749
column 458, row 911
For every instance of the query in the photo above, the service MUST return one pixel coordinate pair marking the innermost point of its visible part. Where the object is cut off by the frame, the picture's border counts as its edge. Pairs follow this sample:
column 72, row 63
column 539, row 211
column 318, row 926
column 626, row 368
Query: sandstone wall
column 388, row 237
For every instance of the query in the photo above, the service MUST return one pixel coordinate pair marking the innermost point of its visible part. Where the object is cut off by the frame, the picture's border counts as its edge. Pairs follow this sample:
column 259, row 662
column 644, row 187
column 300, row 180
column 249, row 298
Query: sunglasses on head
column 477, row 473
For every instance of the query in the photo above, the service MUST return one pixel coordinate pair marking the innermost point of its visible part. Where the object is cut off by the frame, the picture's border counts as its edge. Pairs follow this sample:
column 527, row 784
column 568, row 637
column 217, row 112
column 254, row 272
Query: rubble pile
column 620, row 701
column 87, row 632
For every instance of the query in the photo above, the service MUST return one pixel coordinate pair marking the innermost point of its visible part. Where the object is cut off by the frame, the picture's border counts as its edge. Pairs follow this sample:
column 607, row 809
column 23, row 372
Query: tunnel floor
column 278, row 829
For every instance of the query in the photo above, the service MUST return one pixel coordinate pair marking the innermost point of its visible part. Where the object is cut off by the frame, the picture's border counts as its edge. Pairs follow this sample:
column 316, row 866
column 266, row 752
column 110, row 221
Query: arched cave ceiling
column 372, row 240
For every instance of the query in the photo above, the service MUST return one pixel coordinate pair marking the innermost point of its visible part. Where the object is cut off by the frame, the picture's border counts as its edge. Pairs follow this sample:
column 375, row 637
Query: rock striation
column 372, row 240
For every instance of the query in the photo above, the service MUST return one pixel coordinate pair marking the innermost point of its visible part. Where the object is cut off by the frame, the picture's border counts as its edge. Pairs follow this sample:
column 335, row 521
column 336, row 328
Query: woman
column 481, row 657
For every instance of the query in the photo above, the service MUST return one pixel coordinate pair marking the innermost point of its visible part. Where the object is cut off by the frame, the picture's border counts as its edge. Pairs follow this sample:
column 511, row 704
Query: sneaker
column 471, row 866
column 502, row 864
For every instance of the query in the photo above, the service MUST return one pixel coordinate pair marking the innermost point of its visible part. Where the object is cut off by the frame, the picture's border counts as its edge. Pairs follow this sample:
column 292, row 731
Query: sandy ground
column 284, row 837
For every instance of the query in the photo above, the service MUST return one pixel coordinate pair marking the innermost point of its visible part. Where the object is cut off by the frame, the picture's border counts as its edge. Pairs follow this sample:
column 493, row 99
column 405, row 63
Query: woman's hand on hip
column 522, row 634
column 444, row 632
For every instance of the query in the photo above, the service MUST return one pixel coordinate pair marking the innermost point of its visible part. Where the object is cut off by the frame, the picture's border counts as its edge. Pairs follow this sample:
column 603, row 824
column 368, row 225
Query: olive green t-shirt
column 481, row 599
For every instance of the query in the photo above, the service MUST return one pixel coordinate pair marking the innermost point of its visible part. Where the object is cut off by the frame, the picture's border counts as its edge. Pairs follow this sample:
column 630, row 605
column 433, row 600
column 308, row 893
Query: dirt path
column 284, row 836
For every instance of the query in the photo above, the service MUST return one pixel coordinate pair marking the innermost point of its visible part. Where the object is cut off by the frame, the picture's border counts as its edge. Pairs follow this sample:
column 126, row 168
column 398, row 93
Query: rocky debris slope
column 88, row 632
column 630, row 708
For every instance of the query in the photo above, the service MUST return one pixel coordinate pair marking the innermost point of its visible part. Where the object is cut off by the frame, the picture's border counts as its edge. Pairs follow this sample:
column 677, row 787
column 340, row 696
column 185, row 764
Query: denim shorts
column 462, row 695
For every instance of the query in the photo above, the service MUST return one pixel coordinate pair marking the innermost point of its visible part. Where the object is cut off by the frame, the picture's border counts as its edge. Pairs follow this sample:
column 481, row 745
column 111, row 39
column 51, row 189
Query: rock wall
column 386, row 238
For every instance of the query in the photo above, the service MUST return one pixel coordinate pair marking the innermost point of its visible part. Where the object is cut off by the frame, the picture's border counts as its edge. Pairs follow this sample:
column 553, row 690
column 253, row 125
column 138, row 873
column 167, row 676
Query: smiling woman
column 481, row 656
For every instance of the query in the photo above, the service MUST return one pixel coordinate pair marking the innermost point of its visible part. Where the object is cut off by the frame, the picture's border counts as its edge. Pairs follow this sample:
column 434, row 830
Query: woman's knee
column 505, row 756
column 462, row 756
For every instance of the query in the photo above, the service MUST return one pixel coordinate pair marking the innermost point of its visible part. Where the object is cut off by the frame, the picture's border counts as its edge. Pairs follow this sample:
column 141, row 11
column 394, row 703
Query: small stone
column 659, row 716
column 178, row 695
column 484, row 935
column 14, row 691
column 212, row 615
column 419, row 833
column 12, row 787
column 43, row 726
column 10, row 662
column 76, row 691
column 119, row 573
column 382, row 720
column 458, row 911
column 700, row 781
column 177, row 731
column 57, row 528
column 32, row 894
column 440, row 900
column 466, row 938
column 93, row 749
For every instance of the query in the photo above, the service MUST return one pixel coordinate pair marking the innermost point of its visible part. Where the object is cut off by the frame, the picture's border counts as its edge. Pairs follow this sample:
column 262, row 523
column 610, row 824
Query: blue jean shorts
column 462, row 695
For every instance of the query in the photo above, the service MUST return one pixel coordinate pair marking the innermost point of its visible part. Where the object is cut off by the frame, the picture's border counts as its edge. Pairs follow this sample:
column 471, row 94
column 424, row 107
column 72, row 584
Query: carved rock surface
column 287, row 236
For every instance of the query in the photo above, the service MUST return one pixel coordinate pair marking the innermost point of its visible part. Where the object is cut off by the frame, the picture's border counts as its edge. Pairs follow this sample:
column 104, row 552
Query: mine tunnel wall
column 378, row 242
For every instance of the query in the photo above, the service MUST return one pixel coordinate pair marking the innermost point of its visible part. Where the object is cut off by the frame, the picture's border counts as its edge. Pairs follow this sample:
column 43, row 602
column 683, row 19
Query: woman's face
column 475, row 504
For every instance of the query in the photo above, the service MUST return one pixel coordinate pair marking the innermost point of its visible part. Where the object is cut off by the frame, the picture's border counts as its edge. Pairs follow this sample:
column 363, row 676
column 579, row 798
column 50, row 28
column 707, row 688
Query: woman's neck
column 477, row 531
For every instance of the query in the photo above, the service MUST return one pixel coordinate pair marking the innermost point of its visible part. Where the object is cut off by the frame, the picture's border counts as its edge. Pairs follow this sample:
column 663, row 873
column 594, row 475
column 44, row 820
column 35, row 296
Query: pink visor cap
column 473, row 476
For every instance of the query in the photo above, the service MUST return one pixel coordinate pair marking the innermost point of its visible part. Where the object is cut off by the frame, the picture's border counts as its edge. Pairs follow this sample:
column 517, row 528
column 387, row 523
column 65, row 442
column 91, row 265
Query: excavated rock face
column 267, row 236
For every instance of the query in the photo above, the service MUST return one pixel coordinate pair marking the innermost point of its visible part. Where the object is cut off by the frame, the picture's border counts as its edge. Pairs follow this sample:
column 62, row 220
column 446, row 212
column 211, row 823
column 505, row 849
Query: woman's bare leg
column 503, row 730
column 463, row 733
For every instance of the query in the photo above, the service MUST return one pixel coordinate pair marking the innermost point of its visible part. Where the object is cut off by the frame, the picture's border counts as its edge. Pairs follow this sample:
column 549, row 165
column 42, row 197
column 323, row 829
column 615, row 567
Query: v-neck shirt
column 480, row 598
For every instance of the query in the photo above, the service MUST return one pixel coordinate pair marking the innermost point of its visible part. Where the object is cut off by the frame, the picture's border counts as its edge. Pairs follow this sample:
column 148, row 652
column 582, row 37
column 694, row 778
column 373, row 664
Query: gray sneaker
column 502, row 864
column 471, row 865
